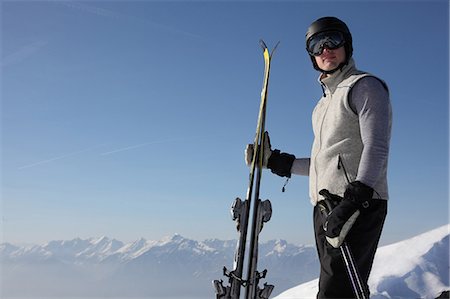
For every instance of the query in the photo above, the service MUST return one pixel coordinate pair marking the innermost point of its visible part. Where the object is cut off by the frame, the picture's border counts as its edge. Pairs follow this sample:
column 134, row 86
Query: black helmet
column 330, row 24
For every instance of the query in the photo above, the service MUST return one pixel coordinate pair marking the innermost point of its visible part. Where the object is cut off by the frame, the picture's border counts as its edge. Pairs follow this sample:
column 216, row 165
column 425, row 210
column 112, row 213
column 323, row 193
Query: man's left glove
column 341, row 219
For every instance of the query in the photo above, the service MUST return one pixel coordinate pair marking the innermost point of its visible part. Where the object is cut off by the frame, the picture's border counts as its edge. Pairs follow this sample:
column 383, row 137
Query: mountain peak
column 100, row 240
column 177, row 237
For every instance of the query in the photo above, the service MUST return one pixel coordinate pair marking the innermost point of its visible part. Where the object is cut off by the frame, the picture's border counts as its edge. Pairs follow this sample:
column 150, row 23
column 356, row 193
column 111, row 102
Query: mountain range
column 173, row 266
column 178, row 266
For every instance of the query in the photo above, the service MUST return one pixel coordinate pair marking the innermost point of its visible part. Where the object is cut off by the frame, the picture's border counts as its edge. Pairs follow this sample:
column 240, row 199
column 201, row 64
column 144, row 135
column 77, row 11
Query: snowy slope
column 415, row 268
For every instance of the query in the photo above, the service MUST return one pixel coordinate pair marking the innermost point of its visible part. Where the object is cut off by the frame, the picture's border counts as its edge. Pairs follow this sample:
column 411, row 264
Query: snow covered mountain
column 414, row 268
column 104, row 267
column 172, row 266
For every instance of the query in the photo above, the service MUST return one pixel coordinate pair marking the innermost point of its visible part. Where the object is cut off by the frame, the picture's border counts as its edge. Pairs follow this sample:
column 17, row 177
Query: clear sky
column 129, row 118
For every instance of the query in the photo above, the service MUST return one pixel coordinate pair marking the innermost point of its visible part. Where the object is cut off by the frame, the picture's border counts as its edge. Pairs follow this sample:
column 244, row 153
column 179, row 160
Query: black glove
column 281, row 163
column 278, row 163
column 341, row 219
column 329, row 202
column 267, row 151
column 359, row 193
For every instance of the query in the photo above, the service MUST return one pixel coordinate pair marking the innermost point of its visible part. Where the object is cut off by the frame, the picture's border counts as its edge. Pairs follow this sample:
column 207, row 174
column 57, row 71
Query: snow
column 413, row 266
column 304, row 291
column 135, row 249
column 400, row 258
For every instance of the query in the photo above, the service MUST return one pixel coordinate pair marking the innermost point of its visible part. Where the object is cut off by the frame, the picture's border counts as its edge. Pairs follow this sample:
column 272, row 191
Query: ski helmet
column 330, row 24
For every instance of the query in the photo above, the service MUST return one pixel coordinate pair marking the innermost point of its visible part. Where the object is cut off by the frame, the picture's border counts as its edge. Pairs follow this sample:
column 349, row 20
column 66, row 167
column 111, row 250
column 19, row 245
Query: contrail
column 125, row 148
column 102, row 12
column 139, row 145
column 56, row 158
column 23, row 53
column 88, row 8
column 102, row 154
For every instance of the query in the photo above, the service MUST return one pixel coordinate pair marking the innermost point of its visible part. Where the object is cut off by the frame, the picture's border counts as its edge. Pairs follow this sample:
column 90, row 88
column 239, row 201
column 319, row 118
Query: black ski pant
column 362, row 239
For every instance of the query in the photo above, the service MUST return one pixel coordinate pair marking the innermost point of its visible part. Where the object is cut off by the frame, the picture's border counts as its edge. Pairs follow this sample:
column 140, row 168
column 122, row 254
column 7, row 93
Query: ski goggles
column 329, row 39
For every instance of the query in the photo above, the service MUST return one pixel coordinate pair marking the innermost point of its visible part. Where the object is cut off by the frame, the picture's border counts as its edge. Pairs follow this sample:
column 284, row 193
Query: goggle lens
column 330, row 39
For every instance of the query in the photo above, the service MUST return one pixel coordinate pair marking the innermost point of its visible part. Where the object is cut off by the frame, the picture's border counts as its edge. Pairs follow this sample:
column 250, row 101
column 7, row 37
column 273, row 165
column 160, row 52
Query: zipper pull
column 284, row 186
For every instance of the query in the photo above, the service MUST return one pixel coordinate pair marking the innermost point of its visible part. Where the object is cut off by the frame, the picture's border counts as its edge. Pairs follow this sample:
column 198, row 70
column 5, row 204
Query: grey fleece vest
column 337, row 146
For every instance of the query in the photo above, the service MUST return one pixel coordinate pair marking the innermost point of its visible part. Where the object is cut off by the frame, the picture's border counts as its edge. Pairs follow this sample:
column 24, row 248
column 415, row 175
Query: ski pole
column 359, row 288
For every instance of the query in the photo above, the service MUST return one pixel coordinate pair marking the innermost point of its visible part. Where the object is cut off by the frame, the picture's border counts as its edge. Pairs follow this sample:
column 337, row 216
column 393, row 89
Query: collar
column 330, row 83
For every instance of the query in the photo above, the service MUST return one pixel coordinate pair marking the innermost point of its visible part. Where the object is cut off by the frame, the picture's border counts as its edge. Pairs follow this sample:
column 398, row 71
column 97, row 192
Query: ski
column 261, row 209
column 261, row 213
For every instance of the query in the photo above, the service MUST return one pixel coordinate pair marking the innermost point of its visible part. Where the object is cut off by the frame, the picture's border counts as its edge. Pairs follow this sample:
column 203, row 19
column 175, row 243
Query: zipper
column 319, row 148
column 341, row 165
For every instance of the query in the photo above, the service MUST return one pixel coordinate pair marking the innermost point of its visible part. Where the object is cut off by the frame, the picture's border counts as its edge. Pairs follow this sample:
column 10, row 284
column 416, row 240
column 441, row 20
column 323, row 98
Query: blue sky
column 129, row 118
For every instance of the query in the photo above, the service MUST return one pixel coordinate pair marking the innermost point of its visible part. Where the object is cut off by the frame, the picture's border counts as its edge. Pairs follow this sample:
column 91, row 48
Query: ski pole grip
column 325, row 193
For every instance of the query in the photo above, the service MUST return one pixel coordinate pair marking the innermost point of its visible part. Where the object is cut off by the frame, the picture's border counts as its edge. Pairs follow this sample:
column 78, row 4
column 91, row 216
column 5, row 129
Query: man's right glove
column 279, row 163
column 249, row 151
column 341, row 219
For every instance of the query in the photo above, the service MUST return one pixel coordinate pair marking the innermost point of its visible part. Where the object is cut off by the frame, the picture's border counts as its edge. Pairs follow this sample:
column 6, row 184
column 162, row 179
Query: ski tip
column 276, row 45
column 274, row 48
column 262, row 44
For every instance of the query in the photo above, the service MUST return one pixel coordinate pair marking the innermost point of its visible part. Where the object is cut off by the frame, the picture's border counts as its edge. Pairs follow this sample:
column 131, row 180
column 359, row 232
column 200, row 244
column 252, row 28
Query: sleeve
column 369, row 99
column 301, row 166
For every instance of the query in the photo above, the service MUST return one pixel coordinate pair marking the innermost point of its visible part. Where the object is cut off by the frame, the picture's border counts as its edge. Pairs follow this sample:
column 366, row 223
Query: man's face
column 330, row 59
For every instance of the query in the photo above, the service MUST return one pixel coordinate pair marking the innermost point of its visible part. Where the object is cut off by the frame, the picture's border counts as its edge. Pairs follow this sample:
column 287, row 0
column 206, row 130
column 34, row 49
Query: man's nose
column 326, row 48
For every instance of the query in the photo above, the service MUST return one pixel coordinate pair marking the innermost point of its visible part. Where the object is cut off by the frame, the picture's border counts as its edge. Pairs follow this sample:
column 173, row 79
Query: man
column 349, row 156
